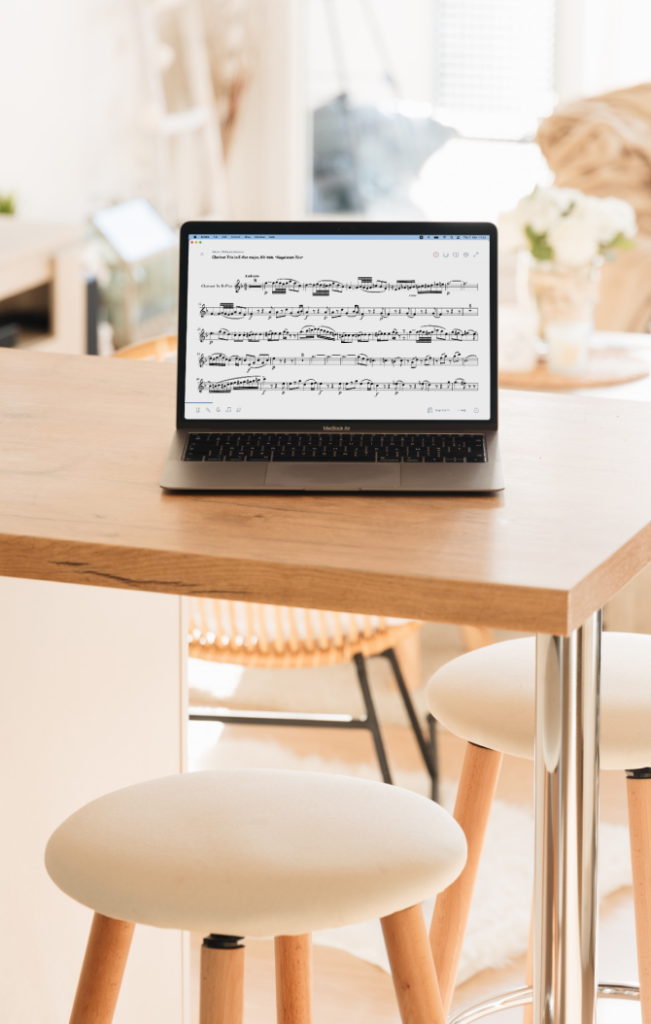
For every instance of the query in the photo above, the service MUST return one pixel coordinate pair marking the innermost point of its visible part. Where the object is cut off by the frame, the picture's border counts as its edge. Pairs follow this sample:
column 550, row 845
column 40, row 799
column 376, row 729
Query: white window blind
column 494, row 66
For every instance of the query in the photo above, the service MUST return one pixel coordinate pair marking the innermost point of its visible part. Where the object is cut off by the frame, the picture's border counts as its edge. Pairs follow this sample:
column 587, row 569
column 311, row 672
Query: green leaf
column 620, row 241
column 540, row 247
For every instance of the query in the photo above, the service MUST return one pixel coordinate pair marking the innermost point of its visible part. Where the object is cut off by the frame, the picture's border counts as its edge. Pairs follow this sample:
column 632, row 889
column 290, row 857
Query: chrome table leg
column 567, row 810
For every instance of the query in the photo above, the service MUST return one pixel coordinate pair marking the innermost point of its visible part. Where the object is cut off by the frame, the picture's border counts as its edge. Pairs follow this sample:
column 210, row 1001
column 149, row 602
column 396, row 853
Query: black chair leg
column 434, row 757
column 427, row 747
column 372, row 719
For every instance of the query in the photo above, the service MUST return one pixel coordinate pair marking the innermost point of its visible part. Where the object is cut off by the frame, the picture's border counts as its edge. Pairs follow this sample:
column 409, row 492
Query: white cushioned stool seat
column 255, row 852
column 488, row 698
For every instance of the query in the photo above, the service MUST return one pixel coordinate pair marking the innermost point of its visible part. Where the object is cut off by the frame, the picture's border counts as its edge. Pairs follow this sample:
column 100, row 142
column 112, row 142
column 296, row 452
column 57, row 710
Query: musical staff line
column 220, row 387
column 325, row 287
column 257, row 362
column 233, row 312
column 421, row 336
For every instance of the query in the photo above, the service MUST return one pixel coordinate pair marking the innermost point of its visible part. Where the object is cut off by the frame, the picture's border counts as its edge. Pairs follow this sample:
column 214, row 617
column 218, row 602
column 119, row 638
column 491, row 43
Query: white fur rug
column 498, row 928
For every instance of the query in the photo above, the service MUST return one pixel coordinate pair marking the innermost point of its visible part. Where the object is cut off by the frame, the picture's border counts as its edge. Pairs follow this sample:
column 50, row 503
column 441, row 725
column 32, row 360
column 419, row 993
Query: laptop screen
column 338, row 328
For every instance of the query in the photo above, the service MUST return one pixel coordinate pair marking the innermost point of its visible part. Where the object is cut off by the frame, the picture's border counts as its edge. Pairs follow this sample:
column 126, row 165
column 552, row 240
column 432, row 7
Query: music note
column 256, row 362
column 339, row 387
column 326, row 286
column 233, row 312
column 420, row 335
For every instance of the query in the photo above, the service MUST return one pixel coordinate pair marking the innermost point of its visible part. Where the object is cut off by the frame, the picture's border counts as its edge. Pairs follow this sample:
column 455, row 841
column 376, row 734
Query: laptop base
column 434, row 477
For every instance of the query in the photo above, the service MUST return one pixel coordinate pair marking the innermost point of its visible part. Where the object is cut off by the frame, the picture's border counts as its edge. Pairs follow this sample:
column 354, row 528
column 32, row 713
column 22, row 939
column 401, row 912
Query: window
column 494, row 66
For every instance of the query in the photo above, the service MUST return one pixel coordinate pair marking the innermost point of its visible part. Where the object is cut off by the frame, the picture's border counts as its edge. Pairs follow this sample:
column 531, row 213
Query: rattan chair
column 272, row 637
column 161, row 349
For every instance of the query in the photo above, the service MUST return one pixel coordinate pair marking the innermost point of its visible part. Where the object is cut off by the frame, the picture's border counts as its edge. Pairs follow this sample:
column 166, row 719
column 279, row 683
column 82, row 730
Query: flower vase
column 566, row 299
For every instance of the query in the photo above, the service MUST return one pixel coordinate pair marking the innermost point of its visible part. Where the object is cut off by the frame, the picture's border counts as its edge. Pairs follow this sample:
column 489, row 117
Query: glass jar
column 566, row 299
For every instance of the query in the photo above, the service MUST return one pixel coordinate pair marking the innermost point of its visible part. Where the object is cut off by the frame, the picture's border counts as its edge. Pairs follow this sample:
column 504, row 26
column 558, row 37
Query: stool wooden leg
column 638, row 788
column 412, row 967
column 475, row 637
column 479, row 776
column 409, row 655
column 293, row 979
column 222, row 981
column 102, row 971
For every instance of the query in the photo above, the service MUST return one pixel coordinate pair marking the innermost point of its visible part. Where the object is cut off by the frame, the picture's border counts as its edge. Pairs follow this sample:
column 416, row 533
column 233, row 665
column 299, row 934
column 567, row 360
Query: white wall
column 72, row 112
column 76, row 129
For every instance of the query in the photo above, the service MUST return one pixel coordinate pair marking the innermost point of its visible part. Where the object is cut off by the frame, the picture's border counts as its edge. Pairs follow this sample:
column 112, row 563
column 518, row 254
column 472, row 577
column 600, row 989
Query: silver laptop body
column 337, row 357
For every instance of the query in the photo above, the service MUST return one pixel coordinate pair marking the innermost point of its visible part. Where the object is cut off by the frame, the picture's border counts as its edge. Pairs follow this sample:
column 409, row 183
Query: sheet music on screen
column 338, row 327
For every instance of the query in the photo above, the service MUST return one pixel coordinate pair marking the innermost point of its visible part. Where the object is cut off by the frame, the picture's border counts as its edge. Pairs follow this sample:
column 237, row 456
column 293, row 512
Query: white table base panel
column 87, row 707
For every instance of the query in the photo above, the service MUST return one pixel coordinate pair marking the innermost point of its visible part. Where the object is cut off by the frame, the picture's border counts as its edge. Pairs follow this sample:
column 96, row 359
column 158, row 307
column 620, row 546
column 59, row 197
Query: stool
column 488, row 698
column 259, row 853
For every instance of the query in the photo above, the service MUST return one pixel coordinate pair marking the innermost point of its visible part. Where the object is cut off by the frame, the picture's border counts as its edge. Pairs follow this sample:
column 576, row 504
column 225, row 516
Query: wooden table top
column 83, row 442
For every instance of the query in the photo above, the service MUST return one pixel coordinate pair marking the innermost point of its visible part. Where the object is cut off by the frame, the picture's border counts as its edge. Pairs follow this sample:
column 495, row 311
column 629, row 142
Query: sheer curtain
column 601, row 45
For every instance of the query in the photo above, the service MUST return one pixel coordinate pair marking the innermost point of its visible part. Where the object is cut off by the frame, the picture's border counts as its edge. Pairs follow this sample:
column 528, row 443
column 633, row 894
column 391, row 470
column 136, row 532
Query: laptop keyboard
column 250, row 447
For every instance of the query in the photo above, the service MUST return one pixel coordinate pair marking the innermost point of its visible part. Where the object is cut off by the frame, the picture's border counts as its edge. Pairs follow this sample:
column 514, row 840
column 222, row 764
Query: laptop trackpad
column 326, row 477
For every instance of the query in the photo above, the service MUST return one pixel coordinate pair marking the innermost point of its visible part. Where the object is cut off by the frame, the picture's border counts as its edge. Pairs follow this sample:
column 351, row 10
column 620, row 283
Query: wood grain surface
column 83, row 442
column 638, row 792
column 412, row 967
column 293, row 979
column 222, row 986
column 102, row 971
column 481, row 769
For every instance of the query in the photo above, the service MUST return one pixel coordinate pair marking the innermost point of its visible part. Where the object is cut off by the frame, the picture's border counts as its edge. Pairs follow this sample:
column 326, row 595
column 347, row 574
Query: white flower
column 596, row 218
column 621, row 215
column 512, row 236
column 574, row 241
column 544, row 207
column 576, row 227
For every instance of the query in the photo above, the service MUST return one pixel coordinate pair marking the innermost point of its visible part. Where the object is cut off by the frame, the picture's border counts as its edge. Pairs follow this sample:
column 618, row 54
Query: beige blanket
column 625, row 291
column 602, row 146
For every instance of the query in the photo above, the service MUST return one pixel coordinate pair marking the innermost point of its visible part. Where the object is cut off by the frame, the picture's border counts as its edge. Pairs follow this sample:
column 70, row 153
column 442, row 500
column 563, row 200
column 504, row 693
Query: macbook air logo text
column 336, row 428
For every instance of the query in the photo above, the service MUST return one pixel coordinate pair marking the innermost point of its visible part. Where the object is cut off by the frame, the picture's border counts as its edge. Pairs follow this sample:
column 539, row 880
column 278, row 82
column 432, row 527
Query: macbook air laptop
column 337, row 357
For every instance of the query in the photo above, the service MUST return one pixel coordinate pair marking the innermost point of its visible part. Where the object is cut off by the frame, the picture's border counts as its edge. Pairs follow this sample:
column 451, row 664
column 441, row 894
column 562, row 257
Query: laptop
column 340, row 356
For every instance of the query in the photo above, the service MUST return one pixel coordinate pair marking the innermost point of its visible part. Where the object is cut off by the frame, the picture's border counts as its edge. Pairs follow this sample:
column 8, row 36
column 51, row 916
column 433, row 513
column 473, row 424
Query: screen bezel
column 347, row 227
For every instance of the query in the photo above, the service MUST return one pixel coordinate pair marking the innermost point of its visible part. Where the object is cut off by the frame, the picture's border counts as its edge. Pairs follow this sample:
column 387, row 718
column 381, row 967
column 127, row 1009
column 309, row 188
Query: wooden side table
column 32, row 255
column 617, row 360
